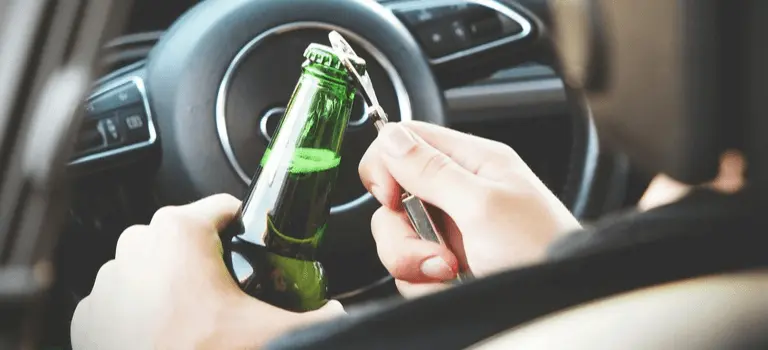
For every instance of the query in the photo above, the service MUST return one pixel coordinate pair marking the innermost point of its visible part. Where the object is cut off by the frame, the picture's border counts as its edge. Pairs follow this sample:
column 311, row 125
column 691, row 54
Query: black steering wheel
column 211, row 91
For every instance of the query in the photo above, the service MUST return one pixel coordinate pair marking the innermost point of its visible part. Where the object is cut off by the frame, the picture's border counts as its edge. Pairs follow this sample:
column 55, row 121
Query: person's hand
column 168, row 288
column 494, row 212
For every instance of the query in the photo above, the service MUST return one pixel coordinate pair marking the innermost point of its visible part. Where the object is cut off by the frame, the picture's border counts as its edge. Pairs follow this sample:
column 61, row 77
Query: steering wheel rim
column 172, row 63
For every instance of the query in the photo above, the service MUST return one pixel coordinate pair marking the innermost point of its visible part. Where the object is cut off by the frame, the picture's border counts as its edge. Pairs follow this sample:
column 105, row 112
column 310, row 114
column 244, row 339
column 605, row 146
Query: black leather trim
column 584, row 156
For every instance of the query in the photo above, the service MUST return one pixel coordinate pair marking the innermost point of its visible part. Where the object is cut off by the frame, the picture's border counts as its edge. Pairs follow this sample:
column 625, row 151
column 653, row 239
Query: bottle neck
column 289, row 201
column 326, row 73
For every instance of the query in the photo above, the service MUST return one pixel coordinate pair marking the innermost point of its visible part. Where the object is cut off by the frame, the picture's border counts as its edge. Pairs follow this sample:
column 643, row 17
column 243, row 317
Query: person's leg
column 664, row 190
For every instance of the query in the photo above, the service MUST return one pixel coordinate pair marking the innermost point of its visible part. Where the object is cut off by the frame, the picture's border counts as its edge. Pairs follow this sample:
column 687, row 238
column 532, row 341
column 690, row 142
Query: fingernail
column 398, row 141
column 437, row 268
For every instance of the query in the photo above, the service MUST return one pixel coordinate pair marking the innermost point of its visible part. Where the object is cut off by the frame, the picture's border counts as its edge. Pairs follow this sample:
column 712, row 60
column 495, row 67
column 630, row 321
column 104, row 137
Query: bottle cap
column 325, row 55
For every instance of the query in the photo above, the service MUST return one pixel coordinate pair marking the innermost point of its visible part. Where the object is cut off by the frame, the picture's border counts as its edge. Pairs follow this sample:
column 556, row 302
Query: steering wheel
column 211, row 92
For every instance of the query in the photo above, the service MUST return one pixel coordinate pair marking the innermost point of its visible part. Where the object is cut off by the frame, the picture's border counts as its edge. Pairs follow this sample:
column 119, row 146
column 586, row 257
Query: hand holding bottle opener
column 416, row 210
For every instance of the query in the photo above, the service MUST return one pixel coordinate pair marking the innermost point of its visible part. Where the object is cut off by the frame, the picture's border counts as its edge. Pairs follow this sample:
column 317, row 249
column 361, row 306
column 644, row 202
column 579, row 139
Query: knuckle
column 434, row 164
column 105, row 270
column 502, row 151
column 492, row 200
column 104, row 276
column 175, row 219
column 166, row 213
column 129, row 238
column 487, row 199
column 224, row 198
column 78, row 317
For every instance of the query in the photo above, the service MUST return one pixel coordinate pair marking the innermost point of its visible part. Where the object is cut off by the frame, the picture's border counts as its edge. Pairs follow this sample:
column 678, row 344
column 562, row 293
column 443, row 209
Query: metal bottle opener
column 416, row 210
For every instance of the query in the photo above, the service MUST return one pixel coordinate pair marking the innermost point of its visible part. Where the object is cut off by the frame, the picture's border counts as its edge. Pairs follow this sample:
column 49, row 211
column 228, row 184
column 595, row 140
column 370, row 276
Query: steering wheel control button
column 125, row 95
column 108, row 127
column 134, row 121
column 439, row 39
column 117, row 122
column 449, row 30
column 457, row 29
column 485, row 28
column 97, row 135
column 417, row 16
column 90, row 138
column 460, row 31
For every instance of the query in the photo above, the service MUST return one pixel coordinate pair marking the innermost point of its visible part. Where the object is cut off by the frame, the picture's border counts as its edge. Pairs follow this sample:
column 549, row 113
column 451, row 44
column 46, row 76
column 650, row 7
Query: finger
column 132, row 240
column 105, row 278
column 80, row 323
column 216, row 211
column 476, row 154
column 414, row 290
column 470, row 152
column 376, row 178
column 405, row 255
column 426, row 172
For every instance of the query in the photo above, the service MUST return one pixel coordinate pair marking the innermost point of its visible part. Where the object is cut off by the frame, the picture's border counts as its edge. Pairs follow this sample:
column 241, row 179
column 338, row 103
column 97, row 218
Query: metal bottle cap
column 325, row 55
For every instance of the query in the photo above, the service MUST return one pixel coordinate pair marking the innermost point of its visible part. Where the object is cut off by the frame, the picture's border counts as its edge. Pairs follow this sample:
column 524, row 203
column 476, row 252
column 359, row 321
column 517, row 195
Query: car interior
column 110, row 110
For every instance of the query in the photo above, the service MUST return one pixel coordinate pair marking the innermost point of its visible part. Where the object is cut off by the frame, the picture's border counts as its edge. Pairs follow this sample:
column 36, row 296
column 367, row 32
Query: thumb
column 424, row 171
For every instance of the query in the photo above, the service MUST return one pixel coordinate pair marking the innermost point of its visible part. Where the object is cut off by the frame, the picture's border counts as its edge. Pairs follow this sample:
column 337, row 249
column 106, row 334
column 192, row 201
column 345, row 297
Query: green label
column 309, row 160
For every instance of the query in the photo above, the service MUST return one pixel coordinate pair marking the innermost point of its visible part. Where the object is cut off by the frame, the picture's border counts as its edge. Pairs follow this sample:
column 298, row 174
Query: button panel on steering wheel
column 449, row 30
column 117, row 123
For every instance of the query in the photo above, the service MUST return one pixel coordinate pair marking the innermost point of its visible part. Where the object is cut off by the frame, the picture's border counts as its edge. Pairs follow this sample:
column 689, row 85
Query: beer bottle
column 271, row 247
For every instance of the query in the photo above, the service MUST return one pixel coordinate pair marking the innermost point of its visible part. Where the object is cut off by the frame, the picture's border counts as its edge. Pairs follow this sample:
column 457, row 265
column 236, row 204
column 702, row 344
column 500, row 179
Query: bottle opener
column 416, row 210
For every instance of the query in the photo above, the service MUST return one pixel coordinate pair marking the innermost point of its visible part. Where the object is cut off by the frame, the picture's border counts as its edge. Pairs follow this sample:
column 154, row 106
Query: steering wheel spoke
column 465, row 40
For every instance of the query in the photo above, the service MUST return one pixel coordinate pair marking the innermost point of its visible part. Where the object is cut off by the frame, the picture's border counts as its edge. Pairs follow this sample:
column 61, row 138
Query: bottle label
column 309, row 160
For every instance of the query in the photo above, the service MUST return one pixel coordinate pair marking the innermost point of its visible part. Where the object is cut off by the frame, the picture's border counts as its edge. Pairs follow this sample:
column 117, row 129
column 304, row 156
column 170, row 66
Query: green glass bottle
column 271, row 247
